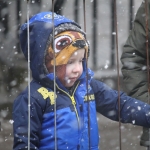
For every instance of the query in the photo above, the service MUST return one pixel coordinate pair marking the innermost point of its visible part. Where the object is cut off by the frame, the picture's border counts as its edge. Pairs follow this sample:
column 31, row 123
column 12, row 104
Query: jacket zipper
column 73, row 101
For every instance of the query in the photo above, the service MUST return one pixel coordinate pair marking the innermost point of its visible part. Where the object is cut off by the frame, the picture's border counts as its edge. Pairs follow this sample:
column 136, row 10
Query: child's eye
column 70, row 62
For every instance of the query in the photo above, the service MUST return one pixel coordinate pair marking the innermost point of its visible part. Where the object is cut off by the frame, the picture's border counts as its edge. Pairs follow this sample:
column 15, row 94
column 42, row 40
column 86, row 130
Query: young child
column 78, row 95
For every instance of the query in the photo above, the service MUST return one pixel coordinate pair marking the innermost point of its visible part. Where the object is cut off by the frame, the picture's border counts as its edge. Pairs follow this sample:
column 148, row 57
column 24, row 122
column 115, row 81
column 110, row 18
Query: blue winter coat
column 76, row 120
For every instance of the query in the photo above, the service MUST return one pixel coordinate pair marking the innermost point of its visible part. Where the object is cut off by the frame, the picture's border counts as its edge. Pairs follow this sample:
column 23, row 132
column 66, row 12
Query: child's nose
column 77, row 67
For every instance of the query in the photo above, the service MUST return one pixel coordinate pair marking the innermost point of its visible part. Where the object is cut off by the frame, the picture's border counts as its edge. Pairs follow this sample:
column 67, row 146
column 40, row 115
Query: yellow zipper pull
column 74, row 104
column 73, row 100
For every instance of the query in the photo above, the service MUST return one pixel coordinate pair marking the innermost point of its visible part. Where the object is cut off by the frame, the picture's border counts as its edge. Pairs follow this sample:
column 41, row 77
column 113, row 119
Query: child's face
column 74, row 67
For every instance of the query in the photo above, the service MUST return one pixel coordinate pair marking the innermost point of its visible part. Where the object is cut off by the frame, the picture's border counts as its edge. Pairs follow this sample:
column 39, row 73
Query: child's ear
column 86, row 55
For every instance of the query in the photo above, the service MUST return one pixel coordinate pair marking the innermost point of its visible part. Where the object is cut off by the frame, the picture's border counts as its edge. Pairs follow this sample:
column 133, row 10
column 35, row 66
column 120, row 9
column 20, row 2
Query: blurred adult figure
column 134, row 61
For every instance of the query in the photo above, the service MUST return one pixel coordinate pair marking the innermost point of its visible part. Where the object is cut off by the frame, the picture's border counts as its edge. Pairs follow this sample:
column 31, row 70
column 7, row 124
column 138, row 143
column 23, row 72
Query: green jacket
column 134, row 57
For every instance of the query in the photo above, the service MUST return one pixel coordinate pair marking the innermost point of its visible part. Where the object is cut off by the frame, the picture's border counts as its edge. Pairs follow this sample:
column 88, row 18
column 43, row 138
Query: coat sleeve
column 20, row 126
column 131, row 110
column 134, row 57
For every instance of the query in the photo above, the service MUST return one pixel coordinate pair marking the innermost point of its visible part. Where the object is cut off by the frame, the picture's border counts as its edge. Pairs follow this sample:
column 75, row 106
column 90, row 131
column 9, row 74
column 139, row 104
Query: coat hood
column 40, row 37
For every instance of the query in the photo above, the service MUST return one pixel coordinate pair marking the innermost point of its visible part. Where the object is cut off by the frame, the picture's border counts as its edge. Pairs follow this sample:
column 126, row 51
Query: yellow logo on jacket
column 89, row 97
column 45, row 93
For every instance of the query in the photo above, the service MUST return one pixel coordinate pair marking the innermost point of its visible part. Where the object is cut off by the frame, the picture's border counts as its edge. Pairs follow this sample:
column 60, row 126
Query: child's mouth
column 73, row 79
